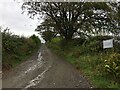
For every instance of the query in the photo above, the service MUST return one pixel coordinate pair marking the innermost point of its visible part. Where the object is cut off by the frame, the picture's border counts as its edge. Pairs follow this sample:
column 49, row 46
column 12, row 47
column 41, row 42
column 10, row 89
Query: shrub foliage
column 16, row 48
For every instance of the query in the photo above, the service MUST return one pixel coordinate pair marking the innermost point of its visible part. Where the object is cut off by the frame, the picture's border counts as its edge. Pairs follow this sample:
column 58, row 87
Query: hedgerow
column 16, row 48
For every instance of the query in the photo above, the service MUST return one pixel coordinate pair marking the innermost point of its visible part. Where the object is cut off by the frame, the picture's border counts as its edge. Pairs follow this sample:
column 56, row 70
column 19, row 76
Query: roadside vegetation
column 16, row 49
column 101, row 67
column 92, row 22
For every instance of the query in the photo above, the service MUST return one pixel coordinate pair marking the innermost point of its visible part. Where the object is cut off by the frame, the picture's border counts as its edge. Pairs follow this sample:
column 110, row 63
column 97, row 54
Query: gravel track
column 44, row 70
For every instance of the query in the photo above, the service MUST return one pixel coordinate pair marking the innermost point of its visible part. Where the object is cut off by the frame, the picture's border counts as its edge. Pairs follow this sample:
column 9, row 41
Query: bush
column 35, row 39
column 78, row 41
column 48, row 35
column 15, row 48
column 117, row 47
column 112, row 66
column 95, row 45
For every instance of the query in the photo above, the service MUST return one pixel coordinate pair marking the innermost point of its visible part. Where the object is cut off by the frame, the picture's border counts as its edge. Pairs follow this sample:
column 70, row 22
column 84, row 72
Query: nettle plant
column 112, row 65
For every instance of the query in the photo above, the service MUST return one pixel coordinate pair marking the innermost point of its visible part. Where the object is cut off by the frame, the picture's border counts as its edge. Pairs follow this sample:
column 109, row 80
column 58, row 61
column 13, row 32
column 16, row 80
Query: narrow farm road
column 44, row 70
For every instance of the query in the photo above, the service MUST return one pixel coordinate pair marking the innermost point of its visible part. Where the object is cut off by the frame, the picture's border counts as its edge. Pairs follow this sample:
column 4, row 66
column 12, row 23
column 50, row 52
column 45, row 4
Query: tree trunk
column 69, row 36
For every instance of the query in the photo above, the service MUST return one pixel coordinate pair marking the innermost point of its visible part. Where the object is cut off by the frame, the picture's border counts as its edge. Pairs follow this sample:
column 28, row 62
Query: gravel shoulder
column 44, row 70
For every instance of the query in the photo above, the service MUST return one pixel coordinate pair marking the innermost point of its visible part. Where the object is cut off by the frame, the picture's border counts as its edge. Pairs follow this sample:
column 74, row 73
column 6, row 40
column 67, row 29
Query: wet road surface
column 44, row 70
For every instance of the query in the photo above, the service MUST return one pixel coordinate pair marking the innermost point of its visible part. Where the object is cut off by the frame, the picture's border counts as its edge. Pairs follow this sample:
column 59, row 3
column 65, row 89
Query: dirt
column 44, row 70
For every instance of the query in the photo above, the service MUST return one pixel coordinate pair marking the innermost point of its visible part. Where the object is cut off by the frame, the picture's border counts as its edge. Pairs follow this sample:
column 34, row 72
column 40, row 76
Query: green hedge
column 16, row 48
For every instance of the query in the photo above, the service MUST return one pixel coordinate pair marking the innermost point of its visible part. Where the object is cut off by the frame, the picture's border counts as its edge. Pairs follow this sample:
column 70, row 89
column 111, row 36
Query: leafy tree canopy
column 69, row 18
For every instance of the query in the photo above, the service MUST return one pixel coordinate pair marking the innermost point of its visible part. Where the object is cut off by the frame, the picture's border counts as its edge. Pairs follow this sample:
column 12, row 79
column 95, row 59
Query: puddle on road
column 38, row 79
column 38, row 64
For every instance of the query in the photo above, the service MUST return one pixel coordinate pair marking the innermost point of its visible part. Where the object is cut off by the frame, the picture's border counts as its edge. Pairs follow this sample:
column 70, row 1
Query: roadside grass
column 14, row 60
column 90, row 64
column 94, row 71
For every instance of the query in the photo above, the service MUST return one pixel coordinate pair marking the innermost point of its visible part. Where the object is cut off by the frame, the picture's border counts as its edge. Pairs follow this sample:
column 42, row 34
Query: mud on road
column 44, row 70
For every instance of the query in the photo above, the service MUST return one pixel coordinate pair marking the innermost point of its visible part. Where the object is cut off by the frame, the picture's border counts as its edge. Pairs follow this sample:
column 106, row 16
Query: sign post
column 108, row 43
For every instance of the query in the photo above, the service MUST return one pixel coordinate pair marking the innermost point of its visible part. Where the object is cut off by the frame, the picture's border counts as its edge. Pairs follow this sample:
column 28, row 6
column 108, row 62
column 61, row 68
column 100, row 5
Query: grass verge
column 90, row 64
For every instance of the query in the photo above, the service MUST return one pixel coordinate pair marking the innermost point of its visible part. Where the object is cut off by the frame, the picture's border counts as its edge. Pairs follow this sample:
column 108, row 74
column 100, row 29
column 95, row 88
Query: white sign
column 108, row 43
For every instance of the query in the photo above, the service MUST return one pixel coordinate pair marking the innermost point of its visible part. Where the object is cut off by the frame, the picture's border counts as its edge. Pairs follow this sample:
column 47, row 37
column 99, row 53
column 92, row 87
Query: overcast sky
column 11, row 17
